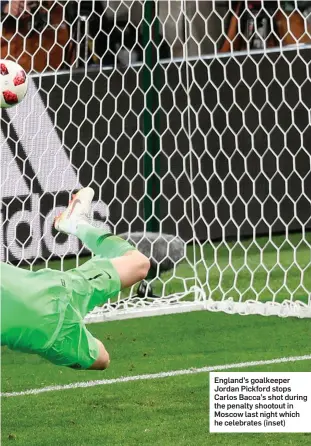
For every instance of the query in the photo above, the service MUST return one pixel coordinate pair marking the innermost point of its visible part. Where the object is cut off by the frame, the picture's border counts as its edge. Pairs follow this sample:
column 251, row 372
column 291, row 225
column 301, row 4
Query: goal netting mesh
column 187, row 118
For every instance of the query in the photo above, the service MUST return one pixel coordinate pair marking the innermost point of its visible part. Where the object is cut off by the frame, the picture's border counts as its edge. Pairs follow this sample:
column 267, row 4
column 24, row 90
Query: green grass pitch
column 174, row 410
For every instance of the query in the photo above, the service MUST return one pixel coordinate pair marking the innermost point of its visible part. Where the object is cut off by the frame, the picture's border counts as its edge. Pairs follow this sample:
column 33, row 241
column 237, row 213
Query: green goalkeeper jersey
column 33, row 306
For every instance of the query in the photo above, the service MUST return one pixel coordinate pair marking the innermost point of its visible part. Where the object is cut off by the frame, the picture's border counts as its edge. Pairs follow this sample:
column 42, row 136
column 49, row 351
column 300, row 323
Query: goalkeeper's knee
column 103, row 360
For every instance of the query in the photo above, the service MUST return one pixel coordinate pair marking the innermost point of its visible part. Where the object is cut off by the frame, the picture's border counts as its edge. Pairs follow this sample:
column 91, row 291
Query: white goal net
column 191, row 121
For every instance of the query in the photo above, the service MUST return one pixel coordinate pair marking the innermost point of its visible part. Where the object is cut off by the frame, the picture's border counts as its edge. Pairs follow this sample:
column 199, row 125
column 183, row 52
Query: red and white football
column 13, row 83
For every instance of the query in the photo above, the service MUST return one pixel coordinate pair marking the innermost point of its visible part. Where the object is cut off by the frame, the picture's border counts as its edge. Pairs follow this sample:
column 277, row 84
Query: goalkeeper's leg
column 130, row 264
column 117, row 265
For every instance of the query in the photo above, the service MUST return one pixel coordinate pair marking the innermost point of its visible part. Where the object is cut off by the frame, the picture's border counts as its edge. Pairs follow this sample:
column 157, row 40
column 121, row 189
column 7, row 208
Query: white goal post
column 183, row 124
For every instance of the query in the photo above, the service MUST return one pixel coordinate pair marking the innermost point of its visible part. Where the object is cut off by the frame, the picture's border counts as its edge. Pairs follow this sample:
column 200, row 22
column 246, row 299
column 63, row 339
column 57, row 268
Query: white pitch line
column 125, row 379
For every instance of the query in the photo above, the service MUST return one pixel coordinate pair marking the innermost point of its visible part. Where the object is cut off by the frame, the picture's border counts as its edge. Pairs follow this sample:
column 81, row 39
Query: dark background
column 246, row 132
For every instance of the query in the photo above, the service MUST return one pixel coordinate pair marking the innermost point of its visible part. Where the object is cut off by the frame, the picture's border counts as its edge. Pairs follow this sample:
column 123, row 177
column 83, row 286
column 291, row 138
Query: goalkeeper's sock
column 102, row 243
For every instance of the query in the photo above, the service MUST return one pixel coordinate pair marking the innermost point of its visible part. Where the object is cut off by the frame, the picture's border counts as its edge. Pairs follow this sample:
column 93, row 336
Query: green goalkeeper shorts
column 75, row 346
column 89, row 285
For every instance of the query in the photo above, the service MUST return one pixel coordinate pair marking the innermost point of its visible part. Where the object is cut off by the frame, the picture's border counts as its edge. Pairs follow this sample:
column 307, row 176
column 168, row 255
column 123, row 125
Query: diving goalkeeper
column 42, row 312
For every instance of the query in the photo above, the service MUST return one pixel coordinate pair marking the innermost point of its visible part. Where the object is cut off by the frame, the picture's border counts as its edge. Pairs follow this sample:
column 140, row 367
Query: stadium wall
column 244, row 133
